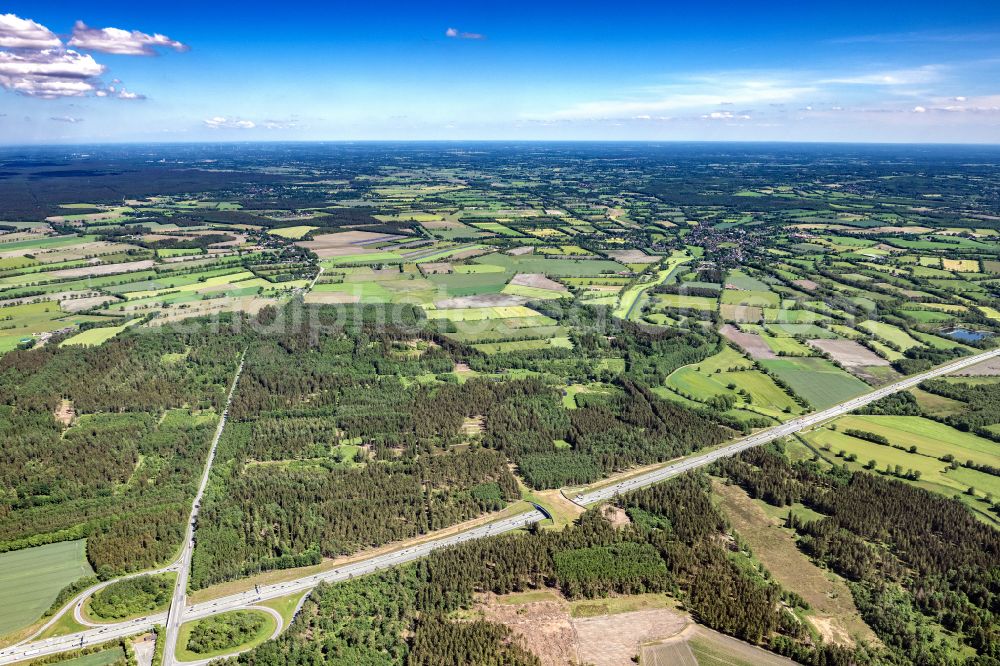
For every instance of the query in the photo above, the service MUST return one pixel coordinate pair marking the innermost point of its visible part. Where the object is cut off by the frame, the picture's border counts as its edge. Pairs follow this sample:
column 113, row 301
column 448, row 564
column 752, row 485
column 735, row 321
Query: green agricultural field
column 294, row 233
column 763, row 299
column 816, row 380
column 107, row 657
column 478, row 314
column 97, row 336
column 935, row 474
column 762, row 389
column 682, row 302
column 31, row 578
column 891, row 333
column 727, row 359
column 741, row 280
column 930, row 437
column 696, row 385
column 524, row 345
column 496, row 228
column 787, row 346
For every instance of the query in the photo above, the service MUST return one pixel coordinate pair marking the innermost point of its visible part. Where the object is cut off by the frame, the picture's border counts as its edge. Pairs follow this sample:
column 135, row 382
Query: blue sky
column 225, row 71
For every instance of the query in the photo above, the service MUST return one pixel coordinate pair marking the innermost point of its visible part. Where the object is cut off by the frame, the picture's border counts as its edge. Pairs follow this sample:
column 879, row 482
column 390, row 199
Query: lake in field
column 966, row 334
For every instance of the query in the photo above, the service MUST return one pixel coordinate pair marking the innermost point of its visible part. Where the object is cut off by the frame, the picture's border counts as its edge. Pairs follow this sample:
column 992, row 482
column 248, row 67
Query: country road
column 249, row 599
column 175, row 615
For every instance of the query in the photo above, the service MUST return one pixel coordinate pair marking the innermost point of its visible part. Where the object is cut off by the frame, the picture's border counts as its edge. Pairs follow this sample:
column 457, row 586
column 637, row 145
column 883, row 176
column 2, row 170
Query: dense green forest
column 673, row 546
column 124, row 472
column 917, row 562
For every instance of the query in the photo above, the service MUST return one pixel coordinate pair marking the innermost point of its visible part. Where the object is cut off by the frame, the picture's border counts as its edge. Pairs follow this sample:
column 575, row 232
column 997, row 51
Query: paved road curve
column 771, row 434
column 250, row 598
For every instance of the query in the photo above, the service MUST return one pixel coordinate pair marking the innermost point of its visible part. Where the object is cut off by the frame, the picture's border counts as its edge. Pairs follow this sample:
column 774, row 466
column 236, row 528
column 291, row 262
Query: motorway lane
column 765, row 436
column 175, row 614
column 349, row 571
column 253, row 597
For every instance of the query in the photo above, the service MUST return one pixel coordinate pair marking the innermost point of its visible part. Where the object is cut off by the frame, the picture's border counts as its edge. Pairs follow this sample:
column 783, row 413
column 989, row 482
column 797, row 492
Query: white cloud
column 222, row 122
column 726, row 115
column 279, row 124
column 19, row 33
column 35, row 62
column 121, row 42
column 456, row 34
column 49, row 73
column 919, row 109
column 899, row 77
column 66, row 119
column 982, row 104
column 695, row 95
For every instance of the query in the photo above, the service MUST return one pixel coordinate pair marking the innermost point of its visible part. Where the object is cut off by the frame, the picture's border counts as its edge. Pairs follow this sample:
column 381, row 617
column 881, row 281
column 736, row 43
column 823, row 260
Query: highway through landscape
column 180, row 612
column 771, row 434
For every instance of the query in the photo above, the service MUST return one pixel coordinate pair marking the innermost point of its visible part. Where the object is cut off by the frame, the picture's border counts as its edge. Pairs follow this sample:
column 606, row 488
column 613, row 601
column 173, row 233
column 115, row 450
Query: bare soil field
column 343, row 243
column 632, row 257
column 472, row 425
column 435, row 268
column 331, row 297
column 542, row 622
column 480, row 301
column 808, row 285
column 672, row 653
column 751, row 343
column 988, row 368
column 105, row 269
column 538, row 281
column 79, row 304
column 518, row 251
column 849, row 353
column 251, row 305
column 612, row 640
column 742, row 314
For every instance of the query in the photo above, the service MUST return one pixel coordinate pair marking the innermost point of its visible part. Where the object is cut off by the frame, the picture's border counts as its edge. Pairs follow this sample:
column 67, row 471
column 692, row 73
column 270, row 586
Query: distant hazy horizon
column 115, row 71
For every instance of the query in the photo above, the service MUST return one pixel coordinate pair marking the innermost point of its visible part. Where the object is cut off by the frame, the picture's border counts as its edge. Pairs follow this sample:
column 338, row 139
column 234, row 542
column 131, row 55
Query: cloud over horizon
column 116, row 41
column 34, row 61
column 223, row 122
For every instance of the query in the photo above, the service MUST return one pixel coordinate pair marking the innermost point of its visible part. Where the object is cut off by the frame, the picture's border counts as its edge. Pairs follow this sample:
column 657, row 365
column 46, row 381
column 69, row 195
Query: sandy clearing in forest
column 65, row 412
